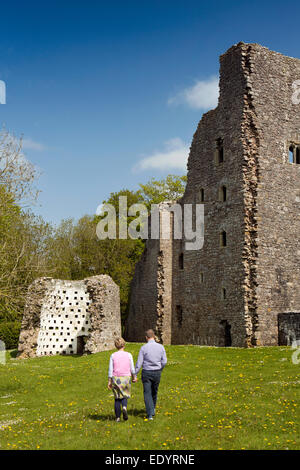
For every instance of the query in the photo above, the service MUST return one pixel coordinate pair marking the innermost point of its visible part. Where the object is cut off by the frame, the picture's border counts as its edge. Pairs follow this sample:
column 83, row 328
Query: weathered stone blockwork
column 151, row 291
column 233, row 294
column 70, row 317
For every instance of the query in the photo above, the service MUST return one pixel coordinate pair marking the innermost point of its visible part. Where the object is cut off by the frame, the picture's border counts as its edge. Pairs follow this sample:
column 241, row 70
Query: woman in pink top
column 120, row 372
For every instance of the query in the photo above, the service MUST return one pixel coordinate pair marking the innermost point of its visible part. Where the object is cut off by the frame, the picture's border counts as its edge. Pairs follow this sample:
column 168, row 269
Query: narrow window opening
column 201, row 278
column 223, row 238
column 223, row 293
column 220, row 151
column 298, row 155
column 179, row 315
column 181, row 264
column 224, row 193
column 201, row 195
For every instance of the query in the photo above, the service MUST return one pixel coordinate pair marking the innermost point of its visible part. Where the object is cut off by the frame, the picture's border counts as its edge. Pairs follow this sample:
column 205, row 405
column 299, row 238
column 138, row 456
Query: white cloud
column 203, row 95
column 29, row 144
column 174, row 155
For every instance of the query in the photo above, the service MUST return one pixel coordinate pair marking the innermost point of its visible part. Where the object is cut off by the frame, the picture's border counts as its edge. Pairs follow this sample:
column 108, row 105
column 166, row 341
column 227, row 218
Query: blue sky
column 109, row 94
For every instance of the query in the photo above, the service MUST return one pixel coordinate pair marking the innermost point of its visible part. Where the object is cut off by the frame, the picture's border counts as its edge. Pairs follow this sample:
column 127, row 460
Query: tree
column 23, row 236
column 118, row 257
column 17, row 174
column 31, row 248
column 170, row 188
column 133, row 197
column 77, row 253
column 23, row 254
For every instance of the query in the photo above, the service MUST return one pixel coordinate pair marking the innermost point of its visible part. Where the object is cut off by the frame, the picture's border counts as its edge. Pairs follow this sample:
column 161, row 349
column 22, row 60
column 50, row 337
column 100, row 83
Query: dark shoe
column 125, row 415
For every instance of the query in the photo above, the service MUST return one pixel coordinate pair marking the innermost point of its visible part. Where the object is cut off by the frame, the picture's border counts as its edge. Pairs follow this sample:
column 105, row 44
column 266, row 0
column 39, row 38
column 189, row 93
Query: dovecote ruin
column 70, row 317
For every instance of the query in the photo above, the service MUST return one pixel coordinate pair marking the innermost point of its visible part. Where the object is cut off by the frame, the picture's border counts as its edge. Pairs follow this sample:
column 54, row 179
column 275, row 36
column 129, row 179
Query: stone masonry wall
column 31, row 318
column 232, row 295
column 151, row 291
column 210, row 288
column 104, row 312
column 269, row 81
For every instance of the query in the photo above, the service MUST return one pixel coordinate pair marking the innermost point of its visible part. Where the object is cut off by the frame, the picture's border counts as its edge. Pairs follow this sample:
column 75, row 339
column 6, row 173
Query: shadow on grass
column 13, row 353
column 141, row 413
column 110, row 417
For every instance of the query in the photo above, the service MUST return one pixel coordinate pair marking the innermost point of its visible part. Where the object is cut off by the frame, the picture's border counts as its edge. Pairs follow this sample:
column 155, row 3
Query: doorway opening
column 80, row 344
column 226, row 339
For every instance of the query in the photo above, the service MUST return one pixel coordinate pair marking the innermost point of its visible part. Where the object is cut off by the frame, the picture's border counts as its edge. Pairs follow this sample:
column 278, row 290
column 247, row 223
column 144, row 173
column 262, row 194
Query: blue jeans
column 150, row 379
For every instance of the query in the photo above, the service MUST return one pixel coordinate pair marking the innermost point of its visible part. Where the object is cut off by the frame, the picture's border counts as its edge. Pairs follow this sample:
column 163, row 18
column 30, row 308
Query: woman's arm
column 110, row 367
column 132, row 369
column 110, row 372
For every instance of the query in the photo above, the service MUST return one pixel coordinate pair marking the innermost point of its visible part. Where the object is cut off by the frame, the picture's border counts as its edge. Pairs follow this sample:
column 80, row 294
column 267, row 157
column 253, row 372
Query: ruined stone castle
column 242, row 288
column 70, row 317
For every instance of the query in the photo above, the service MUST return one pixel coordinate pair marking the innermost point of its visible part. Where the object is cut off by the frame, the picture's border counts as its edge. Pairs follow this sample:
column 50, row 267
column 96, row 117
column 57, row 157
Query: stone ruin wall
column 70, row 317
column 143, row 295
column 196, row 306
column 269, row 81
column 151, row 291
column 198, row 287
column 259, row 267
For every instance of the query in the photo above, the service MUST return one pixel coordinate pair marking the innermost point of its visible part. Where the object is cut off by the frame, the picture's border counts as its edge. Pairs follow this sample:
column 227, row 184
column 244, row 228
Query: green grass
column 209, row 398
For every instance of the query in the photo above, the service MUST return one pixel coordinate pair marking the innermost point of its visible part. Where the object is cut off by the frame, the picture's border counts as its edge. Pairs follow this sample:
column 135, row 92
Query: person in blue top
column 152, row 358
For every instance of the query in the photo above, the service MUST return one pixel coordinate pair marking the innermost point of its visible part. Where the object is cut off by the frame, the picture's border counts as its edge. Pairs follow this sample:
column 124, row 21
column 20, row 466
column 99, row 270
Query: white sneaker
column 125, row 415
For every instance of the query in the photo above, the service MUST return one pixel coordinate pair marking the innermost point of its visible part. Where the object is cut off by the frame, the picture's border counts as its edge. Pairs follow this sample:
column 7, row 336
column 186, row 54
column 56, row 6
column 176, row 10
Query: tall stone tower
column 151, row 288
column 242, row 287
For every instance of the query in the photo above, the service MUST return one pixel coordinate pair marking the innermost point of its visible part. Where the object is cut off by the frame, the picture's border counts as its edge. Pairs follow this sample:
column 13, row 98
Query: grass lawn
column 209, row 398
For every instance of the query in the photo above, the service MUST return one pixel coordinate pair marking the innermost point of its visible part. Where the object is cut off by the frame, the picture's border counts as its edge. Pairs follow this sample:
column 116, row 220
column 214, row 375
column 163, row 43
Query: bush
column 9, row 333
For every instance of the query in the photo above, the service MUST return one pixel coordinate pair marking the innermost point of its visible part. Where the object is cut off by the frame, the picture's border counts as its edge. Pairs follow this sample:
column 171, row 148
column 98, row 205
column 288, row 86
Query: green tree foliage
column 23, row 236
column 133, row 197
column 9, row 333
column 76, row 251
column 23, row 254
column 31, row 248
column 170, row 188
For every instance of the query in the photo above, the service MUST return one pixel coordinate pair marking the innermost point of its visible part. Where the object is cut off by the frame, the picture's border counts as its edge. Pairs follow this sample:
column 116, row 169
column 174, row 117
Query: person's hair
column 150, row 334
column 119, row 343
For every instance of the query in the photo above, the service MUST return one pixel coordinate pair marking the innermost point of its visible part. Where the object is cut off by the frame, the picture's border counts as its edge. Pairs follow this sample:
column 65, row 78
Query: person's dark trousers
column 119, row 403
column 150, row 379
